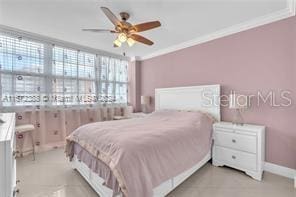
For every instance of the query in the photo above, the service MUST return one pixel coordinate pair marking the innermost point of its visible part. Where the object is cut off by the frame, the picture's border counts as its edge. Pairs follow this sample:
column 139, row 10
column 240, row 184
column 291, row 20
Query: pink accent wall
column 260, row 59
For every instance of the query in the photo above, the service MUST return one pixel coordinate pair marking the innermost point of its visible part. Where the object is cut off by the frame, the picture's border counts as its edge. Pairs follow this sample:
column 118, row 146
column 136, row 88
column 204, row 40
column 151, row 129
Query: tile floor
column 51, row 176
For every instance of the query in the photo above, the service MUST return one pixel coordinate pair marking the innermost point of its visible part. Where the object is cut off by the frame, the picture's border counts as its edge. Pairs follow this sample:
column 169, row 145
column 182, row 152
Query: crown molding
column 289, row 11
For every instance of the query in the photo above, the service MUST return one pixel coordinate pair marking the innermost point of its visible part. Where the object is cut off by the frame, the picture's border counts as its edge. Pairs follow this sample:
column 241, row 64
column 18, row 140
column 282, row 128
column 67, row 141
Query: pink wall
column 261, row 59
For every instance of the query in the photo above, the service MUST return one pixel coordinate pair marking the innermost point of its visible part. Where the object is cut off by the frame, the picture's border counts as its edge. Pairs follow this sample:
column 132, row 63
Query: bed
column 143, row 157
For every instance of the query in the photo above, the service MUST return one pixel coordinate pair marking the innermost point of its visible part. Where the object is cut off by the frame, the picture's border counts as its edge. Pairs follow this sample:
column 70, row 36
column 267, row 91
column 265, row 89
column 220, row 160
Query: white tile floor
column 51, row 176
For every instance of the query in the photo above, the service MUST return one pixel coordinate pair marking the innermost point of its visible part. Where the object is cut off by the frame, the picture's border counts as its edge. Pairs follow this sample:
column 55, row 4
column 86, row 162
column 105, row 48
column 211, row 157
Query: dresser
column 240, row 146
column 7, row 155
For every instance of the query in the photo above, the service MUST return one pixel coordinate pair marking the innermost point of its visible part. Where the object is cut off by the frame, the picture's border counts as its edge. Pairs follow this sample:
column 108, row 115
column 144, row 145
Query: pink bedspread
column 142, row 153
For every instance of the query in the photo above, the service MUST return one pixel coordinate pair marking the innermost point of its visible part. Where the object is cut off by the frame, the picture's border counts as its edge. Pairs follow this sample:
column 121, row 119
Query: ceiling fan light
column 117, row 43
column 130, row 42
column 122, row 37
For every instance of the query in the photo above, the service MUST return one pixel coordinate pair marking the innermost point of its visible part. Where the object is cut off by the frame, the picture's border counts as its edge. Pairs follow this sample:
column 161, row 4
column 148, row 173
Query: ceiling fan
column 126, row 31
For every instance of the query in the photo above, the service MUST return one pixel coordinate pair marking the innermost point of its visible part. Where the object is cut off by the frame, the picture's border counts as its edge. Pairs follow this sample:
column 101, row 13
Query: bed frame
column 202, row 98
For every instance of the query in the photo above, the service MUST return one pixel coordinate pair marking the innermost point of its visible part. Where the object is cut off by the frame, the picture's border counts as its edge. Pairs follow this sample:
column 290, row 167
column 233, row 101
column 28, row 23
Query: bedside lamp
column 238, row 102
column 145, row 102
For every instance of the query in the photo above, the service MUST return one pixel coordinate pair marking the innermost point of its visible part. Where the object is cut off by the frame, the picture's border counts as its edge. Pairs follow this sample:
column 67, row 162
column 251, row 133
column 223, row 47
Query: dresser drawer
column 236, row 159
column 236, row 141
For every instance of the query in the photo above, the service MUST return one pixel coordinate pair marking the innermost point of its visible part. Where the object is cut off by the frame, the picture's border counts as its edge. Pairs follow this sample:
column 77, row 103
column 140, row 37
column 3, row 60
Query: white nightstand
column 240, row 146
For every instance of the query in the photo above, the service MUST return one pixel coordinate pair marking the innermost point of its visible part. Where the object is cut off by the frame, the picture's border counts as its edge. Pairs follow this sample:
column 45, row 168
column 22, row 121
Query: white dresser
column 7, row 155
column 240, row 146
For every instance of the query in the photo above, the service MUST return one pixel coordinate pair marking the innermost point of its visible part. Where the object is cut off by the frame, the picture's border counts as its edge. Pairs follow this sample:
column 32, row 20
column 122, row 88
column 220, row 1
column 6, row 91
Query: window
column 22, row 71
column 73, row 77
column 86, row 78
column 33, row 73
column 113, row 80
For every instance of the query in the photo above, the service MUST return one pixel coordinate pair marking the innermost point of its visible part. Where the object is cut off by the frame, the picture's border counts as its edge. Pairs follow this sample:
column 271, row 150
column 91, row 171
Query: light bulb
column 122, row 37
column 130, row 42
column 117, row 43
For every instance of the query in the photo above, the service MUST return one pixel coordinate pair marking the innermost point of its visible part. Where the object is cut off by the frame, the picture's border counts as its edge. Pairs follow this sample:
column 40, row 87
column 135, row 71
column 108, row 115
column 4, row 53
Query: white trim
column 280, row 170
column 262, row 20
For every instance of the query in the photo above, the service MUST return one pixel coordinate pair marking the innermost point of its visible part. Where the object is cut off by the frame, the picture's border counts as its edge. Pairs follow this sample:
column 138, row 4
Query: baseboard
column 280, row 170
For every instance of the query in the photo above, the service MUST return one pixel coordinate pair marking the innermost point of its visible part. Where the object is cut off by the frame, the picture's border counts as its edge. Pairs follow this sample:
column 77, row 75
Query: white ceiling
column 182, row 20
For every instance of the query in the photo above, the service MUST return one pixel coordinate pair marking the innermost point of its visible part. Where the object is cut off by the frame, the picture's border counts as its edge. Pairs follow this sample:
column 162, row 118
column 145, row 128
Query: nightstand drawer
column 241, row 142
column 236, row 159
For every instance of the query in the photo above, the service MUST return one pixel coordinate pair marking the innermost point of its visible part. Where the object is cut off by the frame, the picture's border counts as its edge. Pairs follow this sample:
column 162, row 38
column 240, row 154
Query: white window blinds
column 73, row 78
column 113, row 79
column 33, row 73
column 22, row 71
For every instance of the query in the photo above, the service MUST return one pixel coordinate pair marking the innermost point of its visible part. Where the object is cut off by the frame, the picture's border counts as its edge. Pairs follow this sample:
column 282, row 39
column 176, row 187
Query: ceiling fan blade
column 111, row 16
column 146, row 26
column 141, row 39
column 100, row 30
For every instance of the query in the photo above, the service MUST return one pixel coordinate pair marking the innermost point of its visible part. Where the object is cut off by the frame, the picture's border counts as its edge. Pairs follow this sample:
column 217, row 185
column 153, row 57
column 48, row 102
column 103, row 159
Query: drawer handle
column 14, row 153
column 233, row 140
column 233, row 157
column 15, row 191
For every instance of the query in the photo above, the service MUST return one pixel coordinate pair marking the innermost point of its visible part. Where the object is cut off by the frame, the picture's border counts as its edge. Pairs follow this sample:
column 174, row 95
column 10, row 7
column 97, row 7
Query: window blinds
column 67, row 77
column 22, row 71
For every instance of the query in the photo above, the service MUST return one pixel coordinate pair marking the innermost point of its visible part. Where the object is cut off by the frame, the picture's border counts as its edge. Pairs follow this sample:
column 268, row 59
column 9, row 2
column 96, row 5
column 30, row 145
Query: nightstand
column 240, row 146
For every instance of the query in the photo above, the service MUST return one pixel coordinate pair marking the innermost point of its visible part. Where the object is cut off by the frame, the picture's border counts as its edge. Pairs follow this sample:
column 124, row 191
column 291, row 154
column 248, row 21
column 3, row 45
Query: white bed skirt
column 163, row 189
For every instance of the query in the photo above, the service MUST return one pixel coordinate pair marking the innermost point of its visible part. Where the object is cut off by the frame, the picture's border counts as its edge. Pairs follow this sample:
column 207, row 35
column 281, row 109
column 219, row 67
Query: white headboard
column 203, row 98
